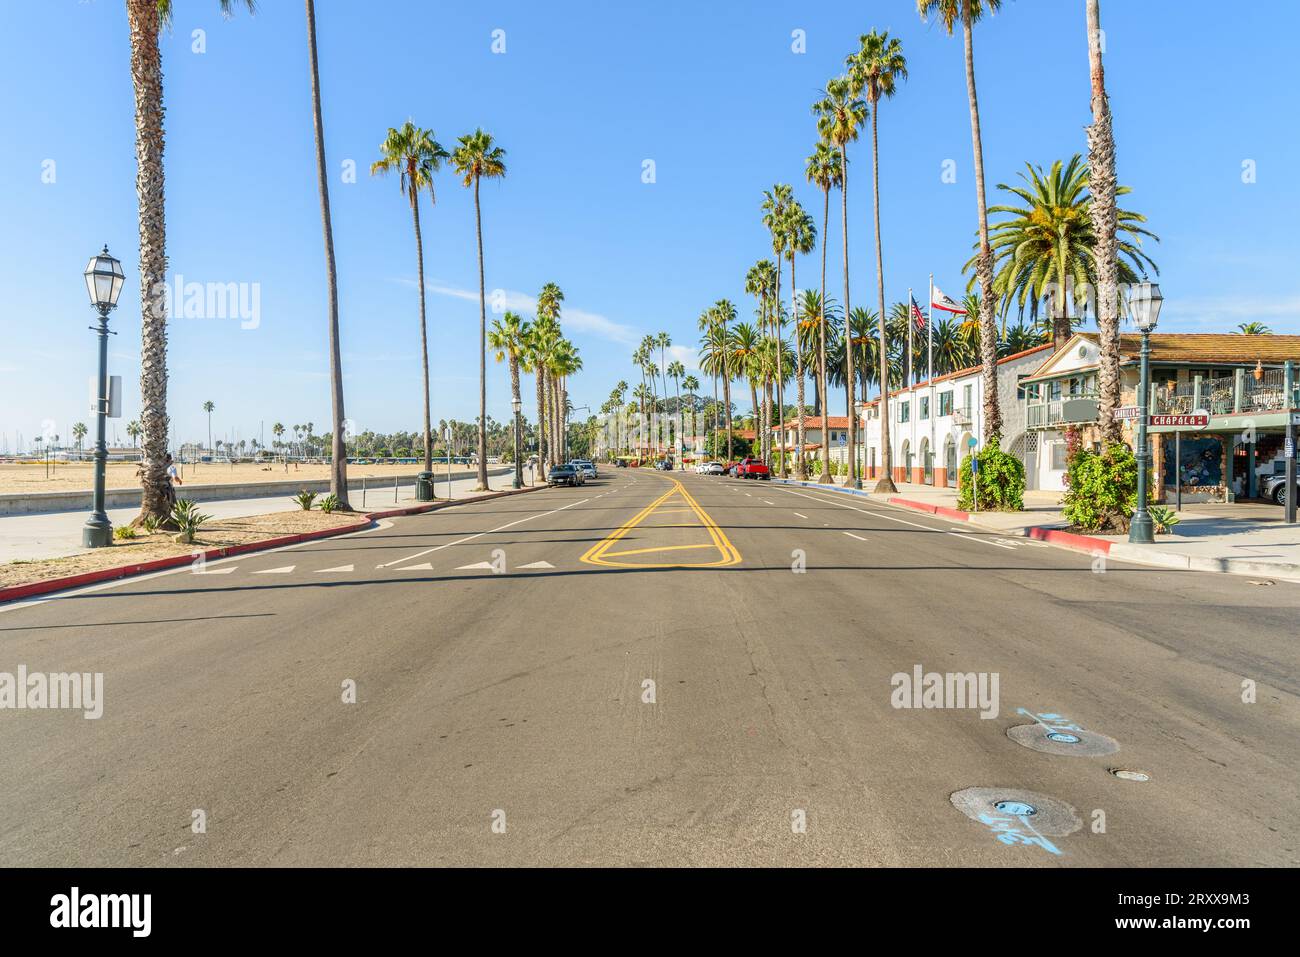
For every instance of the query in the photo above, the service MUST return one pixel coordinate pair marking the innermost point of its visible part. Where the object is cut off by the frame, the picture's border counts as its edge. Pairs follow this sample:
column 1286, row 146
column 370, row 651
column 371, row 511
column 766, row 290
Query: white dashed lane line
column 976, row 538
column 858, row 537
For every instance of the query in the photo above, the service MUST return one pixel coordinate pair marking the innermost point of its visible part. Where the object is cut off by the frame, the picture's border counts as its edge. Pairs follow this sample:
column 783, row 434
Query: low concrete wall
column 33, row 503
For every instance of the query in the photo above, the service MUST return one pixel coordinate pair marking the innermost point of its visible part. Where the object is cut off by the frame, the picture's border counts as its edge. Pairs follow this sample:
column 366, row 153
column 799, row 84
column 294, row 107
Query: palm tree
column 415, row 155
column 475, row 158
column 338, row 448
column 801, row 238
column 277, row 430
column 538, row 342
column 1245, row 329
column 507, row 337
column 663, row 341
column 692, row 385
column 725, row 312
column 1046, row 249
column 876, row 69
column 549, row 302
column 760, row 282
column 840, row 112
column 823, row 169
column 745, row 342
column 776, row 202
column 208, row 407
column 675, row 372
column 564, row 363
column 968, row 12
column 715, row 359
column 78, row 434
column 145, row 19
column 134, row 431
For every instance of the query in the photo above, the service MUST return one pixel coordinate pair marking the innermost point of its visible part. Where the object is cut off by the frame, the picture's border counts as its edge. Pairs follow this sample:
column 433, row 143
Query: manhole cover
column 1081, row 744
column 1127, row 774
column 1048, row 816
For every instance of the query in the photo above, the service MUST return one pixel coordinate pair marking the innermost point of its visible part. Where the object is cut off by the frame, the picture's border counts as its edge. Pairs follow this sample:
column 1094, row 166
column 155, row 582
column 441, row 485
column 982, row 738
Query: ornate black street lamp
column 1143, row 303
column 104, row 280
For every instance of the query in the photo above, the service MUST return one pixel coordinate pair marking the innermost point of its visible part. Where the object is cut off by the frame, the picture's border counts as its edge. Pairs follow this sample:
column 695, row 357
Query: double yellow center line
column 727, row 554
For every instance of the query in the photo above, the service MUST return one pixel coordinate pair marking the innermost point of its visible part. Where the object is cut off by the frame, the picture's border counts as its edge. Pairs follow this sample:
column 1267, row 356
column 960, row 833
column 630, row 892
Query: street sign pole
column 1178, row 469
column 1288, row 380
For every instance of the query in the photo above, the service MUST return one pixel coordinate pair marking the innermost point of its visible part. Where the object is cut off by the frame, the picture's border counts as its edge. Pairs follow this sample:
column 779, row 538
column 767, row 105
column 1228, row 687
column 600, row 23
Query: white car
column 587, row 468
column 711, row 468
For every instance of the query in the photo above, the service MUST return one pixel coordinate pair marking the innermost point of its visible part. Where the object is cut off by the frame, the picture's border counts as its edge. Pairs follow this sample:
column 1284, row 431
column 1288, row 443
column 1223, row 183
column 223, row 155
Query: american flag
column 917, row 315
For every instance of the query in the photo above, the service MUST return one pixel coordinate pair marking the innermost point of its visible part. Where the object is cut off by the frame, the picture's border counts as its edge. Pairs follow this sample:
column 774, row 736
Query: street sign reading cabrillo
column 1196, row 420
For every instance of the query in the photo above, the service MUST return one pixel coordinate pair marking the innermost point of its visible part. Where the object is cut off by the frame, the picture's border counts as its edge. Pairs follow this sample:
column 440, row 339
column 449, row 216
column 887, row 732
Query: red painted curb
column 956, row 513
column 15, row 592
column 1082, row 543
column 915, row 506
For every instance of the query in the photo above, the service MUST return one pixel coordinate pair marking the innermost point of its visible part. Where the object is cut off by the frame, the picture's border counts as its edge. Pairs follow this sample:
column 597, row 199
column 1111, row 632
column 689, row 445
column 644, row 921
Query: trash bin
column 424, row 486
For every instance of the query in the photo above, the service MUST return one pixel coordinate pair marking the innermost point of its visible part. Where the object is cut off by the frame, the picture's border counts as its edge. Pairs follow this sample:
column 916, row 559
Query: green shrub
column 1101, row 488
column 329, row 503
column 124, row 531
column 1164, row 519
column 305, row 500
column 1001, row 484
column 188, row 519
column 150, row 524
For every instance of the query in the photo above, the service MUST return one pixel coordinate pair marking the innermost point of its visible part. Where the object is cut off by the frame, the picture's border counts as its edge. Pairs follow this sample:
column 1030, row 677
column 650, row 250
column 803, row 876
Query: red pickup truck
column 752, row 468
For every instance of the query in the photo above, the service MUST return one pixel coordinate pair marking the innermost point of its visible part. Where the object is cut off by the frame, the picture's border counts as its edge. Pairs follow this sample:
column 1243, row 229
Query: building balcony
column 1238, row 394
column 1067, row 410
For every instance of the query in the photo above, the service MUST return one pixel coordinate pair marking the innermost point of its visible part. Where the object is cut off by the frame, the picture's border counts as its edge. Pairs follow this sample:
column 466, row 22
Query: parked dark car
column 564, row 474
column 620, row 464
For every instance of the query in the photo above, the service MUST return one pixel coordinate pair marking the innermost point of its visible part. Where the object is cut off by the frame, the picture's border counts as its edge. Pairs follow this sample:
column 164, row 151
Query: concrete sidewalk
column 1247, row 538
column 58, row 534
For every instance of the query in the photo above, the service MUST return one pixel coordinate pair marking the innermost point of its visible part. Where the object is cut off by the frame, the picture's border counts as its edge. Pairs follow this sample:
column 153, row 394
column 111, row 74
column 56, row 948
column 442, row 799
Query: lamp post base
column 1141, row 530
column 97, row 533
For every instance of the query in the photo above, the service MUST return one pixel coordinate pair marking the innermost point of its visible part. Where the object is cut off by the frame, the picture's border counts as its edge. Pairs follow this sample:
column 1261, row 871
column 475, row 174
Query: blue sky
column 585, row 92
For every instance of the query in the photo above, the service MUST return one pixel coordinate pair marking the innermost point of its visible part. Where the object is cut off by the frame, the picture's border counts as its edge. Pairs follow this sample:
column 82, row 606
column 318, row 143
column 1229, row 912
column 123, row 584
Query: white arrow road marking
column 426, row 567
column 536, row 565
column 475, row 567
column 282, row 570
column 766, row 502
column 470, row 538
column 976, row 538
column 340, row 568
column 801, row 515
column 216, row 571
column 858, row 537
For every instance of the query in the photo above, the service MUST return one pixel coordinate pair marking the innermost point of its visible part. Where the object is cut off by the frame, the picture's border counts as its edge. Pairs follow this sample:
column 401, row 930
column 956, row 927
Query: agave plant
column 328, row 504
column 188, row 519
column 305, row 500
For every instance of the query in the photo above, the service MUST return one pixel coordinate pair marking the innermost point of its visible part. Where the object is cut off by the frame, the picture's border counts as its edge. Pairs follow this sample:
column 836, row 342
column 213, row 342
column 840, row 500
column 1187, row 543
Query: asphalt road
column 500, row 654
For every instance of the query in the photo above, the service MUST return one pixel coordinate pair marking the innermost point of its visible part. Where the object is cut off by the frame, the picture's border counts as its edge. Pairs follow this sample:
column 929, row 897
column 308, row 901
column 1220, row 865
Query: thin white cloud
column 589, row 322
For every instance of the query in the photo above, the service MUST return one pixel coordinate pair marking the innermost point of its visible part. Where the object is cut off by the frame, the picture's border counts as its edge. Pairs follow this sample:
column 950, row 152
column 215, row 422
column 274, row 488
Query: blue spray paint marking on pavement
column 1004, row 826
column 1056, row 726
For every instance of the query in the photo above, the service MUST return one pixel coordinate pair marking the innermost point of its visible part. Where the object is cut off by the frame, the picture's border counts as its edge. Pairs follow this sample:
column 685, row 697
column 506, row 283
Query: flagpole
column 929, row 361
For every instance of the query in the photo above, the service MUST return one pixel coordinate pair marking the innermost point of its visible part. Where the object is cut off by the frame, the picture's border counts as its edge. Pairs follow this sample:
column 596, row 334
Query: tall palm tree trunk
column 984, row 265
column 424, row 333
column 726, row 388
column 146, row 79
column 778, row 420
column 1101, row 184
column 822, row 384
column 482, row 349
column 338, row 450
column 800, row 472
column 542, row 451
column 516, row 439
column 852, row 479
column 886, row 481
